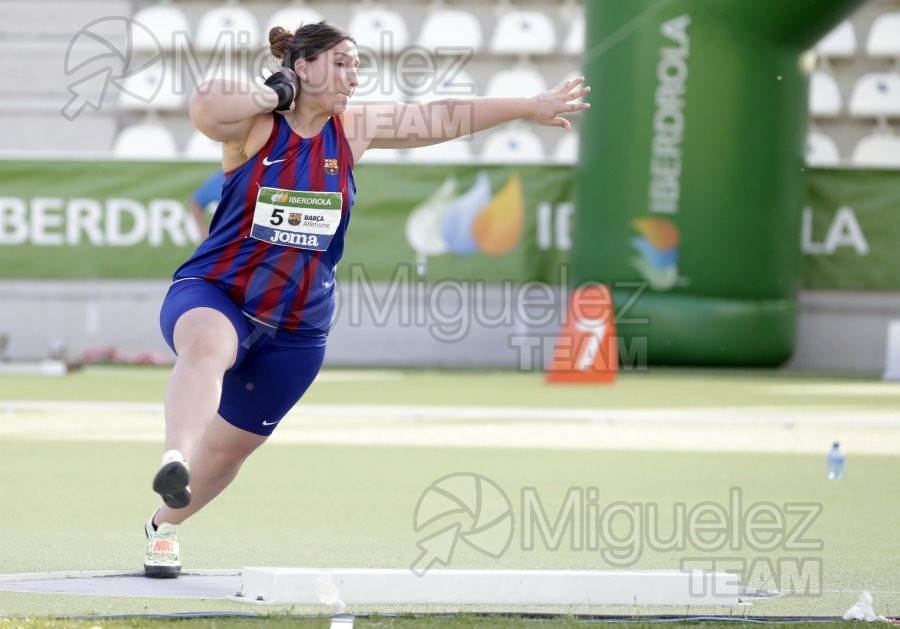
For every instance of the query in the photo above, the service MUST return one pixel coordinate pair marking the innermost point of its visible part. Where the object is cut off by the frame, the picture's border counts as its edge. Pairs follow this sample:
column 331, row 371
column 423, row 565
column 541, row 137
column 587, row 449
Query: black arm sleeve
column 283, row 88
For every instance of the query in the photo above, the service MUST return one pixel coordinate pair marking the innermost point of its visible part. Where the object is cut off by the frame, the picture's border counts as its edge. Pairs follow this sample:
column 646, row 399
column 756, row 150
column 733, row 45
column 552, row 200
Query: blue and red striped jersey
column 273, row 248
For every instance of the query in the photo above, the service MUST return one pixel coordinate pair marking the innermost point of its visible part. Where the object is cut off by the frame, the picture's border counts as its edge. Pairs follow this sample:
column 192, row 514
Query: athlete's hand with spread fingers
column 548, row 107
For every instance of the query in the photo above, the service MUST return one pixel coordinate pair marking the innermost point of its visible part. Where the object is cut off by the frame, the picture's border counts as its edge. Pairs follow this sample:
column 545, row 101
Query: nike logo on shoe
column 274, row 161
column 164, row 546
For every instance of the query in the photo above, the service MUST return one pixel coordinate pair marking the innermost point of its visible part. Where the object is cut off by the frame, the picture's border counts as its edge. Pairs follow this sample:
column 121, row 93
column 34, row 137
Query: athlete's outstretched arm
column 410, row 125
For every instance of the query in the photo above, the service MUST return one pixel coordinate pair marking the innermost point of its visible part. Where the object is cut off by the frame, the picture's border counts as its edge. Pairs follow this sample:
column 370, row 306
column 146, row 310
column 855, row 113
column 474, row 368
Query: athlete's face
column 333, row 76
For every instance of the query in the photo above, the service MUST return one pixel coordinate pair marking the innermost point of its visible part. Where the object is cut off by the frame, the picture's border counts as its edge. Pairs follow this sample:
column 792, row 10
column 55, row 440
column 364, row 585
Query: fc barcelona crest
column 294, row 218
column 331, row 166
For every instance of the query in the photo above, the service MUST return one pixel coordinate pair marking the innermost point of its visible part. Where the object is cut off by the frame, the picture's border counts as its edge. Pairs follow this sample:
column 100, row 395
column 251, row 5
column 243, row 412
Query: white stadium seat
column 153, row 89
column 451, row 28
column 821, row 150
column 824, row 95
column 457, row 151
column 230, row 27
column 291, row 18
column 446, row 84
column 884, row 36
column 382, row 31
column 878, row 150
column 515, row 82
column 513, row 144
column 877, row 95
column 167, row 23
column 200, row 147
column 566, row 151
column 524, row 33
column 839, row 43
column 145, row 141
column 574, row 44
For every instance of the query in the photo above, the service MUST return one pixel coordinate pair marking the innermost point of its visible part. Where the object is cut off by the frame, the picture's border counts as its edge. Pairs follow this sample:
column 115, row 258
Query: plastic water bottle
column 835, row 462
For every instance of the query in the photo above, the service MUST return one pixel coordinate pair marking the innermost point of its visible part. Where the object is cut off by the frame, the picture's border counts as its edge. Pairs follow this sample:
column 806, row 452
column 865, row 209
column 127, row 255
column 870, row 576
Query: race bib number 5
column 299, row 219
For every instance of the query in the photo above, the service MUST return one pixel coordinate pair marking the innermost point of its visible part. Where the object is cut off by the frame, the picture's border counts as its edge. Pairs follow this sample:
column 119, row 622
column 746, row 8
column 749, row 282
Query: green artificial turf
column 81, row 505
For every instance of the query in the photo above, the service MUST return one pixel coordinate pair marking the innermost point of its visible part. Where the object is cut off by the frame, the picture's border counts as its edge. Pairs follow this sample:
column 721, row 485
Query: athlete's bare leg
column 206, row 344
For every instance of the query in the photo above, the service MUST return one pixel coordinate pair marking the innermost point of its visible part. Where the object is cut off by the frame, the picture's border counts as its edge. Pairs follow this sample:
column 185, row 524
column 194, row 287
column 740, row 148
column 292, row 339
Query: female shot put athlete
column 248, row 313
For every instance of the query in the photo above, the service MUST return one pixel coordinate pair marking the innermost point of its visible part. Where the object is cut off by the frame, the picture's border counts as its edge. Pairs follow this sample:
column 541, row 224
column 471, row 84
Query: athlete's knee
column 206, row 333
column 223, row 456
column 229, row 457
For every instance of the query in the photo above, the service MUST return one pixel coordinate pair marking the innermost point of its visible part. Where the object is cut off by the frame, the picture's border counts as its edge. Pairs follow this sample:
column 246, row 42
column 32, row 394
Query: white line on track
column 782, row 416
column 788, row 429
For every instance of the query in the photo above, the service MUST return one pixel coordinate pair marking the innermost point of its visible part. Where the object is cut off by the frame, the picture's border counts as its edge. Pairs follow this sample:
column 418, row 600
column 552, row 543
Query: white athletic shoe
column 172, row 480
column 162, row 560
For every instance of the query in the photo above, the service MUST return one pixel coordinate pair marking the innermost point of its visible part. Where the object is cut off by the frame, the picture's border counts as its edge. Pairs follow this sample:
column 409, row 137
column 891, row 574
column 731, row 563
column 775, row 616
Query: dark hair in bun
column 307, row 42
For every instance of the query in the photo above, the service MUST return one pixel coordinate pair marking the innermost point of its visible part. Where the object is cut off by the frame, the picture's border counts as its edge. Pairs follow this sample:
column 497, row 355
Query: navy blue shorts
column 273, row 368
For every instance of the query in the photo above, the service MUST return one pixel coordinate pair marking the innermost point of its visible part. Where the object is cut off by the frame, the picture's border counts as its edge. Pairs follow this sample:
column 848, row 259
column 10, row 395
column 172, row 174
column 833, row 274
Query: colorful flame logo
column 658, row 249
column 469, row 222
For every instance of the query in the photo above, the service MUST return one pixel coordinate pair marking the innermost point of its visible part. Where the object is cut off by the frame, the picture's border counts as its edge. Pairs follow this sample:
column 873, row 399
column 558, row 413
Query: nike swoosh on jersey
column 266, row 422
column 274, row 161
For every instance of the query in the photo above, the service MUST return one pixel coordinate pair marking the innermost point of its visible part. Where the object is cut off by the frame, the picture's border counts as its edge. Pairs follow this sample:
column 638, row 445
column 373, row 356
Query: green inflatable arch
column 689, row 185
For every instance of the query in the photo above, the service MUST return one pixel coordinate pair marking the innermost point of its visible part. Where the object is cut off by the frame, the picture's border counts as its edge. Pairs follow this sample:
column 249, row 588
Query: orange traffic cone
column 586, row 350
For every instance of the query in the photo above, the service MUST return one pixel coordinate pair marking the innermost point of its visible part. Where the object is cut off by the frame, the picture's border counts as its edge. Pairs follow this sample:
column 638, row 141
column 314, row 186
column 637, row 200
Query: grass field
column 338, row 484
